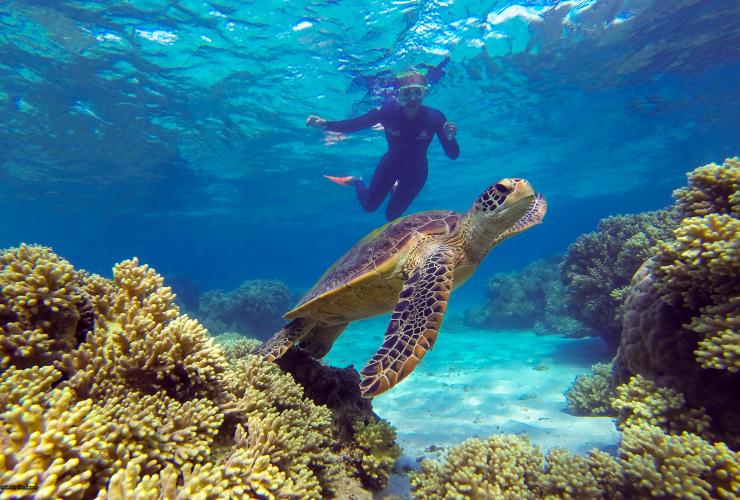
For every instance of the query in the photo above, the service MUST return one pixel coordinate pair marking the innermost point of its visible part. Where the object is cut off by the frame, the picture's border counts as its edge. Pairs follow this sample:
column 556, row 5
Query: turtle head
column 506, row 208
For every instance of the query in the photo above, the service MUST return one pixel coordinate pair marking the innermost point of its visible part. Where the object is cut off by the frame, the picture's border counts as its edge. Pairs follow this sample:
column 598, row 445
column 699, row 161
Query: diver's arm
column 354, row 124
column 446, row 132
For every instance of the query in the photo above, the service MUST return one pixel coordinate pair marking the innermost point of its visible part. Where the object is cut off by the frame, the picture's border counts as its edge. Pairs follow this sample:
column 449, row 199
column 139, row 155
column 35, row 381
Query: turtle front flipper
column 278, row 344
column 414, row 325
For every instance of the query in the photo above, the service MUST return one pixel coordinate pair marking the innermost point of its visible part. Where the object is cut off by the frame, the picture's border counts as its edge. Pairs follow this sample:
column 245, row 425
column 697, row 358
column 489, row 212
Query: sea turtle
column 408, row 266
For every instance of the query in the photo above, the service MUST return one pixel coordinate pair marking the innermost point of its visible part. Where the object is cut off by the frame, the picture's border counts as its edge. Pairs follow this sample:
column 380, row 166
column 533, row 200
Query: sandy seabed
column 475, row 383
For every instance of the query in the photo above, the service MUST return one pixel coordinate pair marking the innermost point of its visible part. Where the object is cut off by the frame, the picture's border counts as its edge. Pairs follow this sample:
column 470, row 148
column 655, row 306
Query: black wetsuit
column 406, row 158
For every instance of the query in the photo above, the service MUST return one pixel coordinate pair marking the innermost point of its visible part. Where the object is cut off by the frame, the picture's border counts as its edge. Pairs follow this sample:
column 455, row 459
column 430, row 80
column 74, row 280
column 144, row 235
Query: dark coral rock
column 336, row 388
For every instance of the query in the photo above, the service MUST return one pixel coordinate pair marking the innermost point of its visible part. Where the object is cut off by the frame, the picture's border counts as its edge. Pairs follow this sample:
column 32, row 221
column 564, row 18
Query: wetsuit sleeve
column 452, row 149
column 354, row 124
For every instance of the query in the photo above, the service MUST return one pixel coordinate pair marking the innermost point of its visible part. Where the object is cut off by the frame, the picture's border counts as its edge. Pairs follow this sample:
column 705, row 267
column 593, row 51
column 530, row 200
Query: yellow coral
column 678, row 466
column 377, row 452
column 140, row 342
column 148, row 392
column 497, row 467
column 40, row 302
column 643, row 401
column 595, row 476
column 592, row 394
column 720, row 327
column 288, row 434
column 700, row 269
column 711, row 189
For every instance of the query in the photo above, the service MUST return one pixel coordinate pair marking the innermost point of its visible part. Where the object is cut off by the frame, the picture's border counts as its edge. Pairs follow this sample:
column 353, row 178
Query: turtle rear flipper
column 414, row 325
column 278, row 344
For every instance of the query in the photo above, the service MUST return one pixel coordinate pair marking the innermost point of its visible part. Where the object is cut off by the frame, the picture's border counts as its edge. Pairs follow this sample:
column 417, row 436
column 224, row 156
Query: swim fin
column 342, row 181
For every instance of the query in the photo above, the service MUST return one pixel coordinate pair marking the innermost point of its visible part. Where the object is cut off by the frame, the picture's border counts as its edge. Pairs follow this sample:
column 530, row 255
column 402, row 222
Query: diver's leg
column 372, row 196
column 409, row 186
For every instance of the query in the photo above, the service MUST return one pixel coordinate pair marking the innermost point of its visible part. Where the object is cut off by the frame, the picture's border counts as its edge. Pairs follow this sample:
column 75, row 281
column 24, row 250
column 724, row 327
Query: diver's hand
column 315, row 122
column 450, row 130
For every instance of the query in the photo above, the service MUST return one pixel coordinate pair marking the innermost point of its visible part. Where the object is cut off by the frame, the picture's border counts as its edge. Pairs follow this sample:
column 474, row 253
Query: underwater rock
column 254, row 309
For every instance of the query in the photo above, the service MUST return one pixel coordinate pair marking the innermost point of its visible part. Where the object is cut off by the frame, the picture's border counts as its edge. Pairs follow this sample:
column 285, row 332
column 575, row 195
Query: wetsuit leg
column 385, row 175
column 409, row 186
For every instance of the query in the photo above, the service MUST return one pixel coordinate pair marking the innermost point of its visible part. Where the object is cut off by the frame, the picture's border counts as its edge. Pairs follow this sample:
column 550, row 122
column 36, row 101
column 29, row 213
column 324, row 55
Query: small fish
column 85, row 109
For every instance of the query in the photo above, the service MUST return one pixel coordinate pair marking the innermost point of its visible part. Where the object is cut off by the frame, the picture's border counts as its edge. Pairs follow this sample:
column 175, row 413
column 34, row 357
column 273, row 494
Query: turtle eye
column 501, row 188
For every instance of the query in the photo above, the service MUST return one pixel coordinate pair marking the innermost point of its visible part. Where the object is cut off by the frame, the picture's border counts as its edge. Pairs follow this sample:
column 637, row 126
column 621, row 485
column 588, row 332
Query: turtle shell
column 374, row 251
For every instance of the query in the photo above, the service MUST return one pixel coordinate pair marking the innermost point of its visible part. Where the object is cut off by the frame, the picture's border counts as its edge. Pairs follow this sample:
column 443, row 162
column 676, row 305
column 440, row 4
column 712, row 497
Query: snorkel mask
column 412, row 88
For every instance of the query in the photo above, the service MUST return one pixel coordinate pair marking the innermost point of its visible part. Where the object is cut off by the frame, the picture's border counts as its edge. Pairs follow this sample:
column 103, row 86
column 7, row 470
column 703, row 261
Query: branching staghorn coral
column 139, row 341
column 599, row 265
column 651, row 463
column 504, row 467
column 376, row 452
column 592, row 394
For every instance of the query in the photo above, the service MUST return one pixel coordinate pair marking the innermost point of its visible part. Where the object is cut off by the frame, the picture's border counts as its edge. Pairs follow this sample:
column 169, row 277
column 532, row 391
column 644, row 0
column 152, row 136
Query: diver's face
column 411, row 96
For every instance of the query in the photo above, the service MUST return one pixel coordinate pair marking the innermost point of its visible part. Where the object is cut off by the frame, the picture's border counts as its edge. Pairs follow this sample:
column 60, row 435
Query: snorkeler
column 409, row 129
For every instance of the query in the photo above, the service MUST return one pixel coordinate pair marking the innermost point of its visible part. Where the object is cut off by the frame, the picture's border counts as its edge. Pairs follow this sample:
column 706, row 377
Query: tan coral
column 140, row 342
column 40, row 302
column 376, row 452
column 678, row 466
column 643, row 401
column 67, row 446
column 592, row 394
column 497, row 467
column 711, row 189
column 595, row 476
column 720, row 327
column 148, row 394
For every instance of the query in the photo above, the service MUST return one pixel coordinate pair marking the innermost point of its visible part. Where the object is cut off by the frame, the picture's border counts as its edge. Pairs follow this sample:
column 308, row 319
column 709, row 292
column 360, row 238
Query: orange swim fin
column 342, row 181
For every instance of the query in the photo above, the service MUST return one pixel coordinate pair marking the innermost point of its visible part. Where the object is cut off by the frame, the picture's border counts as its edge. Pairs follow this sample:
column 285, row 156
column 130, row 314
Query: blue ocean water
column 174, row 131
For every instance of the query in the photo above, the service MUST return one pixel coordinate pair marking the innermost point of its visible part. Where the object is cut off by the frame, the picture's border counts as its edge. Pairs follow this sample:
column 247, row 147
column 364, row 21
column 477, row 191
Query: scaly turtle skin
column 409, row 266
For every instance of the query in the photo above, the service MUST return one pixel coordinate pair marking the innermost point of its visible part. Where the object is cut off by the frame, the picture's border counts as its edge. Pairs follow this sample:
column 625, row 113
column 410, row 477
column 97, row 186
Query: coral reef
column 641, row 401
column 598, row 267
column 236, row 346
column 255, row 309
column 376, row 452
column 592, row 394
column 497, row 467
column 681, row 323
column 678, row 466
column 650, row 463
column 138, row 401
column 44, row 310
column 528, row 299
